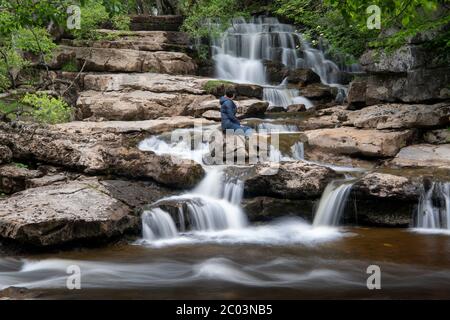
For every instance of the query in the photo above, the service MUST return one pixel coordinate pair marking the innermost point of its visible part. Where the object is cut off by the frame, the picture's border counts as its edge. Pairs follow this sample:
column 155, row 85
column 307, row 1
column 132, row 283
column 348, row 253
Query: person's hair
column 230, row 92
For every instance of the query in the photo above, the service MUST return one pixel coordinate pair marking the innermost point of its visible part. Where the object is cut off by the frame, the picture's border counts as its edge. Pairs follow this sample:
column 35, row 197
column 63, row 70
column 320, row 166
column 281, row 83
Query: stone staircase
column 144, row 74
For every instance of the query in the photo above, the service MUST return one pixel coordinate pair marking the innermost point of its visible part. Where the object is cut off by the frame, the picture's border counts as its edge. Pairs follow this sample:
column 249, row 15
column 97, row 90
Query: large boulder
column 439, row 136
column 385, row 186
column 401, row 116
column 65, row 213
column 275, row 71
column 125, row 60
column 95, row 148
column 303, row 77
column 352, row 141
column 5, row 154
column 291, row 180
column 424, row 155
column 14, row 178
column 136, row 40
column 135, row 105
column 356, row 96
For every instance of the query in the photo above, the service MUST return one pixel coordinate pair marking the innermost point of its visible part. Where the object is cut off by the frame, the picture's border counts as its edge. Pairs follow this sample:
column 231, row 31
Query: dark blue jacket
column 228, row 113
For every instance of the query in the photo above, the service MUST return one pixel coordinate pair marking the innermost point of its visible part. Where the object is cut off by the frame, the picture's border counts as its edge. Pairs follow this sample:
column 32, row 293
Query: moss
column 213, row 86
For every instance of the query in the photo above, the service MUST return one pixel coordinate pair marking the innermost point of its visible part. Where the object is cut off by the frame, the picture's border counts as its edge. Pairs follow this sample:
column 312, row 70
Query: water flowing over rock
column 332, row 203
column 351, row 141
column 94, row 149
column 292, row 180
column 433, row 210
column 424, row 155
column 251, row 52
column 64, row 213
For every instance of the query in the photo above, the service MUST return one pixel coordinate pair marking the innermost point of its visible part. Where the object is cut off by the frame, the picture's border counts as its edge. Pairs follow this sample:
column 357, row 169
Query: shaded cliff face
column 413, row 73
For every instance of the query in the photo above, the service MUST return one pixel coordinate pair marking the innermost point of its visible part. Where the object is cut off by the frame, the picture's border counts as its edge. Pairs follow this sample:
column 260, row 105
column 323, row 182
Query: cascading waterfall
column 433, row 210
column 213, row 205
column 332, row 203
column 240, row 51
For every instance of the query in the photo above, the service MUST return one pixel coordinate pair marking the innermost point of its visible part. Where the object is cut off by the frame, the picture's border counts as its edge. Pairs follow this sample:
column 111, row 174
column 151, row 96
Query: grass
column 70, row 66
column 211, row 86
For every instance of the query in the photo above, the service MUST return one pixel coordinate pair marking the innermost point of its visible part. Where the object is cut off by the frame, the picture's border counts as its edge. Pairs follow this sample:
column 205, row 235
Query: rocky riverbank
column 87, row 180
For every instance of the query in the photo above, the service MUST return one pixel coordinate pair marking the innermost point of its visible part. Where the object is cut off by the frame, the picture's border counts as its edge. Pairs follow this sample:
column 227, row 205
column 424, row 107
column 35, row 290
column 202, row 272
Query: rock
column 135, row 105
column 156, row 22
column 417, row 86
column 251, row 107
column 357, row 94
column 401, row 116
column 303, row 77
column 5, row 154
column 217, row 88
column 289, row 180
column 263, row 209
column 245, row 109
column 423, row 155
column 97, row 148
column 275, row 109
column 296, row 108
column 439, row 136
column 14, row 178
column 275, row 71
column 351, row 141
column 65, row 213
column 318, row 91
column 212, row 115
column 154, row 82
column 403, row 59
column 383, row 186
column 249, row 90
column 124, row 60
column 136, row 40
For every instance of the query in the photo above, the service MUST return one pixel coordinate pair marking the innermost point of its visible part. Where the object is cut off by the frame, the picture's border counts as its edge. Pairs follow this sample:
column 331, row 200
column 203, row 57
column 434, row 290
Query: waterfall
column 332, row 203
column 239, row 54
column 213, row 205
column 433, row 210
column 298, row 151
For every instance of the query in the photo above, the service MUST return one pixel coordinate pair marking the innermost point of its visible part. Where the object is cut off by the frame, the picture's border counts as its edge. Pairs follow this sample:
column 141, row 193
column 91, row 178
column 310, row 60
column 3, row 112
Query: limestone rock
column 125, row 60
column 351, row 141
column 424, row 155
column 303, row 77
column 439, row 136
column 401, row 116
column 291, row 180
column 64, row 213
column 5, row 154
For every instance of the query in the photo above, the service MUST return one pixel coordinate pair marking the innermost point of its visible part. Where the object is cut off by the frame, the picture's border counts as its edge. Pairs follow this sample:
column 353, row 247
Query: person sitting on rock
column 228, row 111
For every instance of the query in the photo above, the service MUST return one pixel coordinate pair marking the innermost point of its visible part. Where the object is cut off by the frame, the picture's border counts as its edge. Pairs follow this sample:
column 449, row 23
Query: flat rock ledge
column 423, row 156
column 101, row 148
column 64, row 213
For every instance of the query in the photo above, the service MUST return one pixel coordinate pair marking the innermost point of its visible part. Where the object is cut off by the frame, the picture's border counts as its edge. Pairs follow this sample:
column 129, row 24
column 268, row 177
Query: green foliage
column 93, row 13
column 407, row 18
column 121, row 22
column 20, row 165
column 34, row 40
column 70, row 66
column 199, row 15
column 47, row 109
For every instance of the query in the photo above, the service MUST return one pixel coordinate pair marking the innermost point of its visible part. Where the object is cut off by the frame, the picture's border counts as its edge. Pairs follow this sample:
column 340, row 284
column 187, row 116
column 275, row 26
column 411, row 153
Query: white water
column 332, row 203
column 433, row 210
column 240, row 51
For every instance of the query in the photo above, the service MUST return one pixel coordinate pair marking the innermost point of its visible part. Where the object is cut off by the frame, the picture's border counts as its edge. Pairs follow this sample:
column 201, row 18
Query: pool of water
column 251, row 264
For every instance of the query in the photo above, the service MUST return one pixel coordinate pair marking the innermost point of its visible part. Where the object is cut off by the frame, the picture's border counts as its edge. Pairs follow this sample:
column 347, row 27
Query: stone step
column 136, row 40
column 156, row 23
column 123, row 60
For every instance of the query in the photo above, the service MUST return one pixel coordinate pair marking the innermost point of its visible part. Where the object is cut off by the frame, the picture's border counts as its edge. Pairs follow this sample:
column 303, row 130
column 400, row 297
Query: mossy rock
column 217, row 87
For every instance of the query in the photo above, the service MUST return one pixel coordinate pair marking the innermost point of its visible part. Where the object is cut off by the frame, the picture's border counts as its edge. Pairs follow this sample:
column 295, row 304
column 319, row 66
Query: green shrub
column 93, row 14
column 70, row 66
column 47, row 109
column 121, row 22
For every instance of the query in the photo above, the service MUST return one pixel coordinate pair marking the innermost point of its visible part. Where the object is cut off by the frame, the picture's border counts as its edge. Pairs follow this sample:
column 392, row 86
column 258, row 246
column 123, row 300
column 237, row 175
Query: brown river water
column 330, row 264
